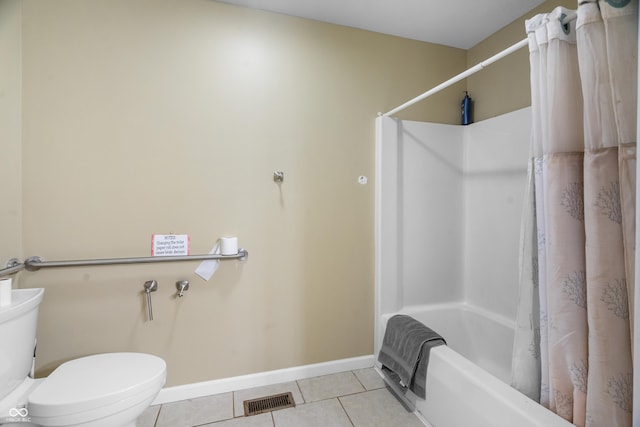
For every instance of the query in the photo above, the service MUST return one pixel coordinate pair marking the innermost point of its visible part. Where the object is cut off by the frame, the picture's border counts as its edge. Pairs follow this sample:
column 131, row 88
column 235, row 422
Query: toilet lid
column 95, row 381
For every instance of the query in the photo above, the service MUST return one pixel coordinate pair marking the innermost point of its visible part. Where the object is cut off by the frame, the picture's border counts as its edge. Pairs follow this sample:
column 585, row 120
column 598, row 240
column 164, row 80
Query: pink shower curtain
column 573, row 341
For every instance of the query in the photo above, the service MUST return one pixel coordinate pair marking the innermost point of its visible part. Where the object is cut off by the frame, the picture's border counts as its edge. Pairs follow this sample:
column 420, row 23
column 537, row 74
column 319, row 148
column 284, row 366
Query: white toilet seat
column 84, row 388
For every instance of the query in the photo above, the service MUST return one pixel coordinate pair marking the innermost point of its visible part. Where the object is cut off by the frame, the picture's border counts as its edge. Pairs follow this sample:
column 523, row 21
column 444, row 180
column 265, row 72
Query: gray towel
column 405, row 351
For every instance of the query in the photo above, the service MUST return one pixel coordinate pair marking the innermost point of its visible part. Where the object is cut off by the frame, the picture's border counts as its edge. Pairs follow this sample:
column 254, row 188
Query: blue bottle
column 466, row 109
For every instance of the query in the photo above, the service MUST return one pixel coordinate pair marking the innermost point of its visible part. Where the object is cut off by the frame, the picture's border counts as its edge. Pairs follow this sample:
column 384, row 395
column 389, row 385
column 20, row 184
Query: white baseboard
column 225, row 385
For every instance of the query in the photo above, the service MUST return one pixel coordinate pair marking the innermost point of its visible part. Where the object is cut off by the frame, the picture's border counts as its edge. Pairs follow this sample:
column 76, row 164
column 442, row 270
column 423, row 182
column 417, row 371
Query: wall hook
column 182, row 286
column 278, row 176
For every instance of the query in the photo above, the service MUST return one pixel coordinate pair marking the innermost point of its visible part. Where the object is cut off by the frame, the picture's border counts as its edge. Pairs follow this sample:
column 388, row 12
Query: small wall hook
column 182, row 286
column 278, row 176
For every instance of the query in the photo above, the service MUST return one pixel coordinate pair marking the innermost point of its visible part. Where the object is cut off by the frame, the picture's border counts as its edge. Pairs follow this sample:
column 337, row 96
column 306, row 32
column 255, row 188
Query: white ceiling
column 457, row 23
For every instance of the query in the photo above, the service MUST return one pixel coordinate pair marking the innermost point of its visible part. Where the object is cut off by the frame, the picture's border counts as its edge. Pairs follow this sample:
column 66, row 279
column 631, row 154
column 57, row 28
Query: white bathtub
column 467, row 380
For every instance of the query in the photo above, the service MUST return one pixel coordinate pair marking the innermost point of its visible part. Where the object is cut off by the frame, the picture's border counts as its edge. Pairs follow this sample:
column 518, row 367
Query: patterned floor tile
column 370, row 378
column 324, row 413
column 329, row 386
column 378, row 408
column 193, row 412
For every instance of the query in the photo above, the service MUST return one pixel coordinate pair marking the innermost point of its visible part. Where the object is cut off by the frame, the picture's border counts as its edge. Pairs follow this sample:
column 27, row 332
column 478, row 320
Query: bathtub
column 467, row 380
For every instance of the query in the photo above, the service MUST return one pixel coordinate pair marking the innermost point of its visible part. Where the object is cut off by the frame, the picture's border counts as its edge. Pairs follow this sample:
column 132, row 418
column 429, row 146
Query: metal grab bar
column 36, row 263
column 13, row 266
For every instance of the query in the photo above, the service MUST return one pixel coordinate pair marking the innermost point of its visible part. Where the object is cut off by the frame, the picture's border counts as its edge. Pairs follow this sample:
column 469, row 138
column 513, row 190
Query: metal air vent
column 268, row 403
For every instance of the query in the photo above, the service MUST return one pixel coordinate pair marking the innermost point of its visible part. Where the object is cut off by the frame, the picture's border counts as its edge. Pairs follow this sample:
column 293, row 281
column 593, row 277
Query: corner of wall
column 11, row 128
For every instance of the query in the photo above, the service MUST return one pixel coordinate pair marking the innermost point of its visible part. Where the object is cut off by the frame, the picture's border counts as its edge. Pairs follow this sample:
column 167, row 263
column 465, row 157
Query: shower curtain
column 573, row 345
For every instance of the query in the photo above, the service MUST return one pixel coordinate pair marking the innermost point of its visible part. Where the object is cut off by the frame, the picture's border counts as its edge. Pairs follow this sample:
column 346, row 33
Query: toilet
column 103, row 390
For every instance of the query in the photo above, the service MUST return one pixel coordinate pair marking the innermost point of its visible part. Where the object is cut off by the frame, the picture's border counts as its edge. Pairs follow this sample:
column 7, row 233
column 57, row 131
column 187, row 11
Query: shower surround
column 448, row 212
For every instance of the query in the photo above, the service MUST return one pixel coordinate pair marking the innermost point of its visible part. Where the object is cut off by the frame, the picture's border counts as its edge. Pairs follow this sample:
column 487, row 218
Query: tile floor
column 350, row 399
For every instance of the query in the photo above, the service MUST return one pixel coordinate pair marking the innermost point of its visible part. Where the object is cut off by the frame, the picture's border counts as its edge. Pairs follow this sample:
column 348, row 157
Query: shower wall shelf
column 36, row 263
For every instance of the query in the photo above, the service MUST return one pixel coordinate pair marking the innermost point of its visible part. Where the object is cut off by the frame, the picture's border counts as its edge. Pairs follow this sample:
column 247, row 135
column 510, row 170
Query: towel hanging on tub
column 405, row 351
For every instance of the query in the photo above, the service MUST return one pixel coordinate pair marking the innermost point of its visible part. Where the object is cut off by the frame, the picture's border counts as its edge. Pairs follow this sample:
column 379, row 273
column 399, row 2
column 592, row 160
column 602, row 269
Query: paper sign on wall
column 170, row 244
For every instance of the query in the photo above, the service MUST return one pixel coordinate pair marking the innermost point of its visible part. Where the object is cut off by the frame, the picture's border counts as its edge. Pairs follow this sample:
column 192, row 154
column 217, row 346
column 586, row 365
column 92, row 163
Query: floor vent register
column 268, row 403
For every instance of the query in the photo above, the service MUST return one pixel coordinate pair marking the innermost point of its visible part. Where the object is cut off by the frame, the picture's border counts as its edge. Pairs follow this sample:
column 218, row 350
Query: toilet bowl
column 103, row 390
column 107, row 390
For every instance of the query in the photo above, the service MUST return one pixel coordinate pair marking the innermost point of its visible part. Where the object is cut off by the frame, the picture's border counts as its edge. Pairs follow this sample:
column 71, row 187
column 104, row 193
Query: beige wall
column 504, row 86
column 167, row 116
column 10, row 99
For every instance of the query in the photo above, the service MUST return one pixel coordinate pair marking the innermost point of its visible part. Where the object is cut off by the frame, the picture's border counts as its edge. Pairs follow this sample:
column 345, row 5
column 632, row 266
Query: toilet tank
column 18, row 323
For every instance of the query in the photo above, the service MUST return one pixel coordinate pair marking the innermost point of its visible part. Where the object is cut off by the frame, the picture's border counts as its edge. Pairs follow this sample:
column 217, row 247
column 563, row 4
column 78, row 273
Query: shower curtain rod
column 459, row 77
column 36, row 263
column 508, row 51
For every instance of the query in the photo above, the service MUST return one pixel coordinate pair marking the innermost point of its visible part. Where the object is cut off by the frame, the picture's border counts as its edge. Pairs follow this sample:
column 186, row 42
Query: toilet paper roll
column 5, row 292
column 229, row 245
